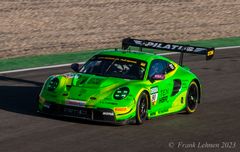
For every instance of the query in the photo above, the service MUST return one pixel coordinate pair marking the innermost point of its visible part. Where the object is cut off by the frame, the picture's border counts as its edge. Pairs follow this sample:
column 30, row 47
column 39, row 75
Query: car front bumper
column 98, row 114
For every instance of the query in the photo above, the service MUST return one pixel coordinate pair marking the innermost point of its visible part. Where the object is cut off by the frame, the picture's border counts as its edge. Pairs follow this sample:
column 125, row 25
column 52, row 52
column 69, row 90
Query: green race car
column 123, row 86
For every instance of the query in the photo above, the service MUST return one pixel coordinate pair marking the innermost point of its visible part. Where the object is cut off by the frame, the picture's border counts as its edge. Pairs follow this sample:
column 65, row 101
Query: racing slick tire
column 192, row 98
column 142, row 107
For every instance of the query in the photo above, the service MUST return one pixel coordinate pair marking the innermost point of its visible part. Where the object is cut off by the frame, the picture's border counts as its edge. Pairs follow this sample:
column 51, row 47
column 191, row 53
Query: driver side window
column 160, row 67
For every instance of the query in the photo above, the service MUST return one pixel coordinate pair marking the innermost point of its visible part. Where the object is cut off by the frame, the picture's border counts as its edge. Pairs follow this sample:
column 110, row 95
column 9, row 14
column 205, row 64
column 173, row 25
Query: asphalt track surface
column 217, row 120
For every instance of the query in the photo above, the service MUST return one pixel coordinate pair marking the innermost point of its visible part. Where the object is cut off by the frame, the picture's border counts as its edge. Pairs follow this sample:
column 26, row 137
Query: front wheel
column 192, row 98
column 142, row 106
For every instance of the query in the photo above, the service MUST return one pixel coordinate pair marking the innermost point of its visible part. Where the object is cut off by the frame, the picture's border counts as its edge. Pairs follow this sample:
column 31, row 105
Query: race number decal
column 154, row 94
column 154, row 97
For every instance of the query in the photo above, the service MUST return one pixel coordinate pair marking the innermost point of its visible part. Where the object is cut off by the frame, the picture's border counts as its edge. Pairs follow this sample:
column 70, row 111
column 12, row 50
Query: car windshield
column 111, row 66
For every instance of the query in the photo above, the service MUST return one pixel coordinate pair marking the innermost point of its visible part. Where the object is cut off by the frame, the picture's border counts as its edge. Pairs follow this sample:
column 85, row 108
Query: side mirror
column 75, row 67
column 157, row 77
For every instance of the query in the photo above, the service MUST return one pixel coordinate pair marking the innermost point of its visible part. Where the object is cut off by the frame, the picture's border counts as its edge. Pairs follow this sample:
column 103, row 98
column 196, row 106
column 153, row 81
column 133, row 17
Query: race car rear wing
column 208, row 52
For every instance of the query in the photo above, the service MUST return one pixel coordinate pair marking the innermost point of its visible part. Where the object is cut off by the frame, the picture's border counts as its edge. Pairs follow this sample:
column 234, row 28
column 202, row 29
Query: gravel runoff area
column 32, row 27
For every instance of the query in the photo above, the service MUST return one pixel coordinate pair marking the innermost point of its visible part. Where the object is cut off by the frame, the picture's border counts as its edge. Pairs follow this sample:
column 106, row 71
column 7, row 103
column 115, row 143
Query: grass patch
column 44, row 60
column 53, row 59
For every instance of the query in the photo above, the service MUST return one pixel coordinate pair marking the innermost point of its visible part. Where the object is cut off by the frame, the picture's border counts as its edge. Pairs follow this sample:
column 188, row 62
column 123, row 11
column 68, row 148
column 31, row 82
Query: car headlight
column 121, row 93
column 53, row 84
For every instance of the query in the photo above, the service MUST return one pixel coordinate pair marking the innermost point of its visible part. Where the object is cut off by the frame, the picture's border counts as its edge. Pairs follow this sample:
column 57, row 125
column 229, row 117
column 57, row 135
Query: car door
column 161, row 89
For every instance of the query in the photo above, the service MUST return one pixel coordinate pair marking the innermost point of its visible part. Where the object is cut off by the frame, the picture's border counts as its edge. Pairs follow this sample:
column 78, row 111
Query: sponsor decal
column 106, row 58
column 210, row 53
column 108, row 113
column 123, row 60
column 163, row 99
column 120, row 109
column 154, row 94
column 143, row 64
column 171, row 66
column 154, row 97
column 159, row 76
column 163, row 110
column 76, row 103
column 163, row 94
column 128, row 60
column 69, row 111
column 173, row 47
column 154, row 90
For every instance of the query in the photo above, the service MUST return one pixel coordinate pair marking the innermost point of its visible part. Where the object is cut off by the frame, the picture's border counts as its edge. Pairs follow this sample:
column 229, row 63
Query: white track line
column 229, row 47
column 68, row 64
column 39, row 68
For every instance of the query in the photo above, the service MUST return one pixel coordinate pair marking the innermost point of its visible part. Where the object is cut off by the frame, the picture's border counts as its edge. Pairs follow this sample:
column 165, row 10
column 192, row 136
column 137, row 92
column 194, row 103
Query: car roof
column 144, row 56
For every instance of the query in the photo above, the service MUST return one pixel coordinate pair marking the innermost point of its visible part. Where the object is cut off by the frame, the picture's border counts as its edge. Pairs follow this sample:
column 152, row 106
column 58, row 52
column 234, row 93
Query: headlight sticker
column 53, row 84
column 121, row 93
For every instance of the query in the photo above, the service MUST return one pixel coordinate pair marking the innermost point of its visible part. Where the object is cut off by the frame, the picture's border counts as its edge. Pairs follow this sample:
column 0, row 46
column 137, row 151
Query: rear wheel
column 142, row 106
column 192, row 98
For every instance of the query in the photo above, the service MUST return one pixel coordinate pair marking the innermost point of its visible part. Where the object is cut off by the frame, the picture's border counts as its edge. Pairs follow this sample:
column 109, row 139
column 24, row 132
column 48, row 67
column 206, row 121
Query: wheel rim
column 142, row 108
column 192, row 97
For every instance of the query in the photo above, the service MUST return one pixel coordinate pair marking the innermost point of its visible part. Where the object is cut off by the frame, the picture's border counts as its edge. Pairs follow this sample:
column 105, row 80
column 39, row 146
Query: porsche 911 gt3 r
column 121, row 86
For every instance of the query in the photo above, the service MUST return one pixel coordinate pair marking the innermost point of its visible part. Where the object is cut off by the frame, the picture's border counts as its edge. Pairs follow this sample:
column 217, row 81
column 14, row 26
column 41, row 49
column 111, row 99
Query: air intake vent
column 176, row 87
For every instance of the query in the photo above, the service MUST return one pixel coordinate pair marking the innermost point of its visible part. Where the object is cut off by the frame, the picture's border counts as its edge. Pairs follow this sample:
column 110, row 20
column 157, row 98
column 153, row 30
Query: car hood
column 94, row 81
column 92, row 87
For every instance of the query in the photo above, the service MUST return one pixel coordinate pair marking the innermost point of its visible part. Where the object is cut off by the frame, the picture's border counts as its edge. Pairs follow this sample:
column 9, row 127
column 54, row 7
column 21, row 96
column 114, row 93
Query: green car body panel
column 89, row 91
